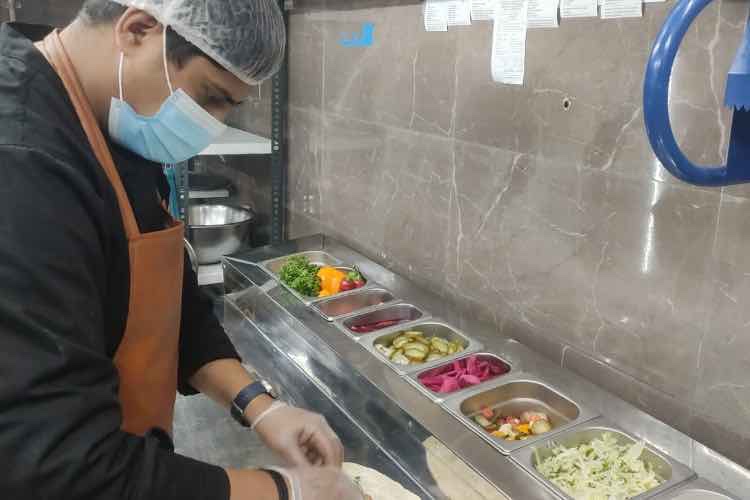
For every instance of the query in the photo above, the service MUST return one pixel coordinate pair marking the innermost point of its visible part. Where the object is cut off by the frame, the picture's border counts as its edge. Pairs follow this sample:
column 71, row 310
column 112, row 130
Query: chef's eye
column 215, row 100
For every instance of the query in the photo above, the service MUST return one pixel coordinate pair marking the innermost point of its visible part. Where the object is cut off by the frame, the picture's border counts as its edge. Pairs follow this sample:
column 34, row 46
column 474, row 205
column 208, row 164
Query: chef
column 101, row 320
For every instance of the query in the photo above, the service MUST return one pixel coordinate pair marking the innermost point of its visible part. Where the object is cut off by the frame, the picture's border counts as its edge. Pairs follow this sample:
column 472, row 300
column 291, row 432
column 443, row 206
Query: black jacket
column 64, row 283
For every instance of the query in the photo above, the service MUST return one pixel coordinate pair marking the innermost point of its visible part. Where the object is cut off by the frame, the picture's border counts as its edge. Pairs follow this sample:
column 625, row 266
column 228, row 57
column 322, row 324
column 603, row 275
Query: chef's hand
column 320, row 483
column 301, row 437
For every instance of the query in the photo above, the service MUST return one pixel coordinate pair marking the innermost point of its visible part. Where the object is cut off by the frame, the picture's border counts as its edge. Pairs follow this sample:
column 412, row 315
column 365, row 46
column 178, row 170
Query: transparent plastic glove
column 300, row 437
column 320, row 483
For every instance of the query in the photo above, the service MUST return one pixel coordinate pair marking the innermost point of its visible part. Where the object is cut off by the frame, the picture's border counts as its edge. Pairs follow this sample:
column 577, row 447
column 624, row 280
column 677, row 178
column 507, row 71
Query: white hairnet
column 246, row 37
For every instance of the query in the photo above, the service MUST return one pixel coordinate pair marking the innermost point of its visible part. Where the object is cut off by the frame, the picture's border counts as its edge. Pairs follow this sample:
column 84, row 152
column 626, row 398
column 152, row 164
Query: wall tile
column 305, row 140
column 670, row 410
column 350, row 175
column 306, row 52
column 723, row 361
column 405, row 79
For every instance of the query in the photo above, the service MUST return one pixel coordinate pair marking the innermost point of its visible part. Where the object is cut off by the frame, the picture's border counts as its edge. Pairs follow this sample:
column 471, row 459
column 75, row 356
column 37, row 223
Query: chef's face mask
column 180, row 130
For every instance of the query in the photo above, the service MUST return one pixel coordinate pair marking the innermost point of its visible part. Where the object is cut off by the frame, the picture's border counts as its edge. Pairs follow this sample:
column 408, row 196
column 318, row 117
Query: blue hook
column 656, row 104
column 364, row 39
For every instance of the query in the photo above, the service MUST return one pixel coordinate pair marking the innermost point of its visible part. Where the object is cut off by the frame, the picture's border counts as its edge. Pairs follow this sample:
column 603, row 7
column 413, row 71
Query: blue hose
column 656, row 108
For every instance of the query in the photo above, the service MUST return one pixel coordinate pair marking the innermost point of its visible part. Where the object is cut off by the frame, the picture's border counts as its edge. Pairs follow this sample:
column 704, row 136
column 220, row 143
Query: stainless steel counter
column 389, row 424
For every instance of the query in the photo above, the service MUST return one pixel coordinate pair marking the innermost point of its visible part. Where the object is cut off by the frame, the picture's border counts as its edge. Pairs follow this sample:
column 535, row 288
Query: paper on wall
column 435, row 15
column 612, row 9
column 509, row 41
column 542, row 14
column 578, row 8
column 459, row 13
column 483, row 10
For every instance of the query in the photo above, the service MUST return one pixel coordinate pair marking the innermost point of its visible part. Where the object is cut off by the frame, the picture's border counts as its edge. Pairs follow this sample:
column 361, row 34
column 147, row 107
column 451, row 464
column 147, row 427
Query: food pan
column 316, row 257
column 362, row 299
column 273, row 267
column 429, row 328
column 406, row 313
column 415, row 377
column 699, row 489
column 673, row 472
column 512, row 395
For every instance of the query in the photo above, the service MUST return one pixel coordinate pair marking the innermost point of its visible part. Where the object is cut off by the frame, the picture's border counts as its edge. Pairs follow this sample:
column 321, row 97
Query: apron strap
column 53, row 50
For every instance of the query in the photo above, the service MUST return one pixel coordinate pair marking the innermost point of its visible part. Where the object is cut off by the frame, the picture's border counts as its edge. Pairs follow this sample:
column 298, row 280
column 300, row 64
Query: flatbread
column 377, row 485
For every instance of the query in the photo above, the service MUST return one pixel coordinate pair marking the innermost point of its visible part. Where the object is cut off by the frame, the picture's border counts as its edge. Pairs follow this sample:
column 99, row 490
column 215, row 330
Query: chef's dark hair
column 179, row 50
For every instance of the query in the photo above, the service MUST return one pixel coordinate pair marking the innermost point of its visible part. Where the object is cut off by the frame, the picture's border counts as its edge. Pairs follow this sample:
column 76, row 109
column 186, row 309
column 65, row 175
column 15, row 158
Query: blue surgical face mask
column 180, row 130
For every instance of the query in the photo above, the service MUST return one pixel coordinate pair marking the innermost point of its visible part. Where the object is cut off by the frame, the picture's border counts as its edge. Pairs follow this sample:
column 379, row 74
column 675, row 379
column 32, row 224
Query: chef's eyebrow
column 225, row 94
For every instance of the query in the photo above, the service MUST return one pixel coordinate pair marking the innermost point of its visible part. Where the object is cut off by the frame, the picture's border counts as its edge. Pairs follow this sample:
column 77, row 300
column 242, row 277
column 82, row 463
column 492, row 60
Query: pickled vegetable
column 461, row 373
column 414, row 348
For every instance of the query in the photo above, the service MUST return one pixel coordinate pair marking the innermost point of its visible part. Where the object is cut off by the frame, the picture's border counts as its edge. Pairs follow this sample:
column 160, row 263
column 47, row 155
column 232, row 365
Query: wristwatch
column 246, row 396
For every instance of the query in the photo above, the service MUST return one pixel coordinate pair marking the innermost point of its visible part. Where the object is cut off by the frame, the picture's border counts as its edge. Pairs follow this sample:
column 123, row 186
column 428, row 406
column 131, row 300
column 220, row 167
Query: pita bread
column 377, row 485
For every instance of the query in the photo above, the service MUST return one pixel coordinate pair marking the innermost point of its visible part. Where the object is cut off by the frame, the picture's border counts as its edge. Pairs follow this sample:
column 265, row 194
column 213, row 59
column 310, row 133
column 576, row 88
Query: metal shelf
column 197, row 194
column 210, row 274
column 238, row 142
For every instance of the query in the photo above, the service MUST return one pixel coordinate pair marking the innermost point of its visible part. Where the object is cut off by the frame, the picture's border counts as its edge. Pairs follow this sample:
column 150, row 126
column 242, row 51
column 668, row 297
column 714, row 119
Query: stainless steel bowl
column 218, row 230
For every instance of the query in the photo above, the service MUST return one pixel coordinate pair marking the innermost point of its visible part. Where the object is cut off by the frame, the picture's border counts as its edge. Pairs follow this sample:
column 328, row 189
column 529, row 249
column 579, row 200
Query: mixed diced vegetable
column 511, row 427
column 463, row 373
column 414, row 348
column 602, row 468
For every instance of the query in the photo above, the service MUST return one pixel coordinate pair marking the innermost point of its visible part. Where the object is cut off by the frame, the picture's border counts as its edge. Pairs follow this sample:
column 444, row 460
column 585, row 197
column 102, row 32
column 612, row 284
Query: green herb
column 302, row 276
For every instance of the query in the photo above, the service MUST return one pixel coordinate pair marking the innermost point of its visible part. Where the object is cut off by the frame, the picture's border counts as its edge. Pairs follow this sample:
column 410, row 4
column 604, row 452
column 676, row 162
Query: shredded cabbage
column 599, row 470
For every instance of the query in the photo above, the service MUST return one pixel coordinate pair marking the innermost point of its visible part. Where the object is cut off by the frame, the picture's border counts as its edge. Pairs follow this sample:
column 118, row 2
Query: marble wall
column 557, row 226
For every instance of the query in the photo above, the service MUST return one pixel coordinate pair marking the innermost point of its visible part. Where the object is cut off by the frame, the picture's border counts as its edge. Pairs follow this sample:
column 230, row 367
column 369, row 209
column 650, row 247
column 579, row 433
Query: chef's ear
column 134, row 27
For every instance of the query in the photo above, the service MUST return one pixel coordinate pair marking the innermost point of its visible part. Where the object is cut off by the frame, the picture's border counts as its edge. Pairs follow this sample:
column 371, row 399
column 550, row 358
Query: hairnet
column 246, row 37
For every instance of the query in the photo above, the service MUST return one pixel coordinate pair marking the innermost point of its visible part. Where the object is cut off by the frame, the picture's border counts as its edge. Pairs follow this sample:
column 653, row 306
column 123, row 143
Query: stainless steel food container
column 432, row 327
column 699, row 489
column 414, row 377
column 407, row 312
column 318, row 258
column 357, row 302
column 218, row 230
column 673, row 472
column 513, row 394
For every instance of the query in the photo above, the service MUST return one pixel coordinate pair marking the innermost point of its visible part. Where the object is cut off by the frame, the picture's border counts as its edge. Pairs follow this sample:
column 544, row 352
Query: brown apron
column 147, row 356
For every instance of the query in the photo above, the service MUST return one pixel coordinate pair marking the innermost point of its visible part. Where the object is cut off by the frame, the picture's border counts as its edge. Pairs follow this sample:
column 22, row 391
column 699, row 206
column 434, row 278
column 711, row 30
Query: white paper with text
column 509, row 42
column 436, row 15
column 578, row 8
column 459, row 13
column 613, row 9
column 543, row 14
column 483, row 10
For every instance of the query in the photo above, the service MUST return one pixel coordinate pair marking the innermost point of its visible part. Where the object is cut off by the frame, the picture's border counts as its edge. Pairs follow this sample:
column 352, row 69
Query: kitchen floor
column 206, row 432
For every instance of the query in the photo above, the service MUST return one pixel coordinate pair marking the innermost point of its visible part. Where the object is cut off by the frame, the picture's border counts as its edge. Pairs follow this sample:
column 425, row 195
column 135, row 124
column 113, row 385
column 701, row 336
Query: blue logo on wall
column 363, row 39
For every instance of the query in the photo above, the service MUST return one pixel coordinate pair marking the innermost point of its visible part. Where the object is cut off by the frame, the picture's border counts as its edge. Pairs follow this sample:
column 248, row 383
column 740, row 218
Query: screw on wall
column 567, row 104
